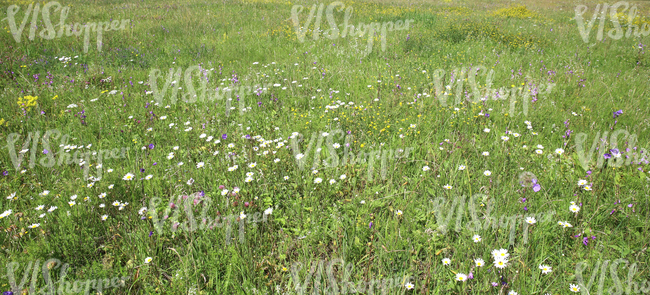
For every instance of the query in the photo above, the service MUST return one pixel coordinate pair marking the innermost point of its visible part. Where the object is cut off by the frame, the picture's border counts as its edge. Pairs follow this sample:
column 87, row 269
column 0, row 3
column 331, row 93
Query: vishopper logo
column 333, row 160
column 48, row 32
column 616, row 33
column 348, row 30
column 614, row 156
column 204, row 94
column 331, row 286
column 99, row 285
column 477, row 93
column 444, row 213
column 618, row 288
column 189, row 204
column 79, row 157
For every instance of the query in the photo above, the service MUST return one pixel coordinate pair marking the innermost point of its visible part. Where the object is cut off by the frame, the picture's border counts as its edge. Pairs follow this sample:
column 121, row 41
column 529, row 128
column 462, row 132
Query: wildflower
column 111, row 186
column 574, row 288
column 342, row 176
column 487, row 173
column 461, row 277
column 513, row 293
column 587, row 187
column 45, row 193
column 318, row 180
column 545, row 269
column 35, row 225
column 39, row 208
column 286, row 178
column 299, row 156
column 505, row 138
column 242, row 215
column 268, row 211
column 461, row 167
column 560, row 223
column 566, row 224
column 539, row 152
column 559, row 151
column 104, row 217
column 582, row 182
column 409, row 286
column 574, row 208
column 501, row 263
column 128, row 176
column 252, row 165
column 398, row 212
column 332, row 181
column 479, row 262
column 5, row 214
column 447, row 186
column 72, row 203
column 149, row 177
column 531, row 220
column 476, row 238
column 200, row 165
column 486, row 154
column 426, row 168
column 148, row 259
column 486, row 130
column 446, row 261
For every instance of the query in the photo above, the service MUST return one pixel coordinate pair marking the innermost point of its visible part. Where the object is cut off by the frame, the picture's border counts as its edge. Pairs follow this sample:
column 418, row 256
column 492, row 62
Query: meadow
column 202, row 147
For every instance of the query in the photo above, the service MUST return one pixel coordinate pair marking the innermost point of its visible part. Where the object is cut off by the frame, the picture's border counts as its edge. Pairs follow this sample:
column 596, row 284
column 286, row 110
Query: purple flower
column 142, row 170
column 495, row 284
column 487, row 115
column 155, row 163
column 8, row 293
column 607, row 156
column 5, row 173
column 618, row 113
column 224, row 136
column 593, row 238
column 370, row 225
column 523, row 200
column 151, row 146
column 45, row 151
column 525, row 208
column 585, row 241
column 150, row 233
column 470, row 276
column 630, row 205
column 536, row 186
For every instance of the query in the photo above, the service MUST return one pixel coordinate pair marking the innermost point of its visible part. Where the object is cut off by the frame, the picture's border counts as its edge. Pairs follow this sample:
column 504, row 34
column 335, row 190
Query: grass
column 384, row 101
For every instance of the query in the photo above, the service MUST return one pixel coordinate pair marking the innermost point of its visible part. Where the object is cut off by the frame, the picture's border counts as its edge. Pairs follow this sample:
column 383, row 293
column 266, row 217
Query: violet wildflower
column 150, row 233
column 370, row 225
column 618, row 113
column 151, row 146
column 585, row 240
column 45, row 151
column 536, row 186
column 224, row 136
column 5, row 173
